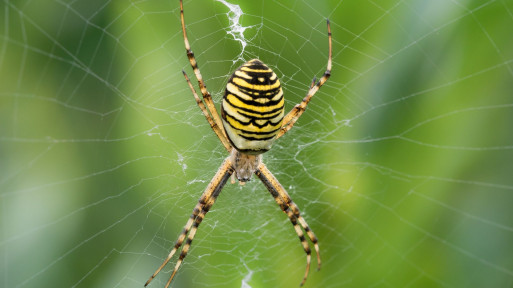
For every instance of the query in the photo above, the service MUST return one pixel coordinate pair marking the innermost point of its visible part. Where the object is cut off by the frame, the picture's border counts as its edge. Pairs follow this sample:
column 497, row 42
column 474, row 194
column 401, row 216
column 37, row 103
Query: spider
column 252, row 119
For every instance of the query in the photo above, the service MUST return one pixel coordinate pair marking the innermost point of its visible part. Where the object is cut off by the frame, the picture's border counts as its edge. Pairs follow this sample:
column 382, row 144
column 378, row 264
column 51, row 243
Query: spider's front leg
column 290, row 208
column 205, row 202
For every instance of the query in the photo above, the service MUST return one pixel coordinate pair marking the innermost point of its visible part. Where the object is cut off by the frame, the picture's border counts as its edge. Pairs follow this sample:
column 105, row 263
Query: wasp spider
column 252, row 119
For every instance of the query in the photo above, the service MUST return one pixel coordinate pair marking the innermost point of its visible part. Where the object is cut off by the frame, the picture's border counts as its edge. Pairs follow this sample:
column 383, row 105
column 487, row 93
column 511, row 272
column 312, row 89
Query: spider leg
column 290, row 119
column 218, row 130
column 195, row 226
column 205, row 202
column 206, row 95
column 313, row 82
column 290, row 208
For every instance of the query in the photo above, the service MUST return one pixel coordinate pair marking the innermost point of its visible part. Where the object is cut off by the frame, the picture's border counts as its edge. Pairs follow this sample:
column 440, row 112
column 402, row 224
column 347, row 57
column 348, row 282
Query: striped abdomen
column 252, row 108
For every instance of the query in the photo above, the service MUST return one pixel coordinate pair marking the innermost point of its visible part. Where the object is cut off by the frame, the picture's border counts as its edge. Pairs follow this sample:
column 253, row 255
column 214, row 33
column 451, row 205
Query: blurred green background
column 401, row 164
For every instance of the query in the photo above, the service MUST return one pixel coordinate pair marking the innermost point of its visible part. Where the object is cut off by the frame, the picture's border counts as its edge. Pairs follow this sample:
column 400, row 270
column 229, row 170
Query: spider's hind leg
column 296, row 112
column 209, row 111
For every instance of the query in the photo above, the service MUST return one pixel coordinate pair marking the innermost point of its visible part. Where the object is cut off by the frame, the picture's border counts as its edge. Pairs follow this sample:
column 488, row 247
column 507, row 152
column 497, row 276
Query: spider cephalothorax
column 244, row 165
column 252, row 117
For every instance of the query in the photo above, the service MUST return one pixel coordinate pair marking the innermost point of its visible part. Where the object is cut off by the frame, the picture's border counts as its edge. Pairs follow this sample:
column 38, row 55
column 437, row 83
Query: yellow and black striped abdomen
column 252, row 108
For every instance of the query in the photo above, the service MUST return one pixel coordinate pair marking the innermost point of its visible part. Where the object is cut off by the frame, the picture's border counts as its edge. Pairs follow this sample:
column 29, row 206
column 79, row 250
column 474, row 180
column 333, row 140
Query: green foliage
column 401, row 163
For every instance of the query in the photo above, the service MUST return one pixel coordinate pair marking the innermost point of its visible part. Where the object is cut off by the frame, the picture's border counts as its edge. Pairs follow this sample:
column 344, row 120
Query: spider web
column 401, row 163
